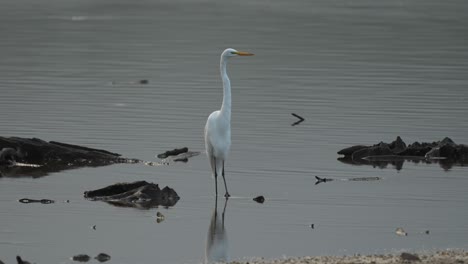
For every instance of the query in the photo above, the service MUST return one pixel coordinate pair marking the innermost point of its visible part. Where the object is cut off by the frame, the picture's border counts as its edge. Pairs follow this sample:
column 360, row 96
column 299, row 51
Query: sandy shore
column 439, row 257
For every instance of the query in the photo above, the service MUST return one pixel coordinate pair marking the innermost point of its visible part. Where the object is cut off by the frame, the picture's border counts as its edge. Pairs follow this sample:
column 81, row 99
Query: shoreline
column 450, row 256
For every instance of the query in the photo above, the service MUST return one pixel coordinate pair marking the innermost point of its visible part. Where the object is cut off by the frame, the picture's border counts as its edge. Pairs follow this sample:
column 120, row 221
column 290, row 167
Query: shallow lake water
column 359, row 72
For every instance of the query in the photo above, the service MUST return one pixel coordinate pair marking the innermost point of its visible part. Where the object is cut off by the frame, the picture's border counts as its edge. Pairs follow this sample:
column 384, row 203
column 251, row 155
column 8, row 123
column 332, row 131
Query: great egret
column 218, row 124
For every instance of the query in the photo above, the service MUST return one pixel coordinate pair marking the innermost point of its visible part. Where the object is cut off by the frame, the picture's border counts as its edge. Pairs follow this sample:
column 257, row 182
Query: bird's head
column 228, row 53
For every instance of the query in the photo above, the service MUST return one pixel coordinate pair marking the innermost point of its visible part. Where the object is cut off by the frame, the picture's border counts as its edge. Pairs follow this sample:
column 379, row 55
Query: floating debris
column 159, row 217
column 139, row 194
column 94, row 227
column 259, row 199
column 365, row 179
column 173, row 152
column 312, row 226
column 20, row 261
column 319, row 180
column 142, row 81
column 153, row 163
column 445, row 152
column 409, row 257
column 175, row 155
column 102, row 257
column 81, row 258
column 301, row 119
column 42, row 201
column 401, row 232
column 427, row 232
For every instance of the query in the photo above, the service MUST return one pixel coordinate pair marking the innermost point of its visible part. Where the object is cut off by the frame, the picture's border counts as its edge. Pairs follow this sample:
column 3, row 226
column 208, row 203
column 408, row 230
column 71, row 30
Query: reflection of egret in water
column 216, row 242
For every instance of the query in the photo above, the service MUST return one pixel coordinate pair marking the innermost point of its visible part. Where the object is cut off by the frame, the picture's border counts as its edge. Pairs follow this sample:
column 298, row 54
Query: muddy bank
column 439, row 257
column 35, row 157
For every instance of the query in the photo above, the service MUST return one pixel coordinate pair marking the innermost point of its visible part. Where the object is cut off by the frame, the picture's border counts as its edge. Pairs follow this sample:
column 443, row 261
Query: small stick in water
column 301, row 119
column 319, row 180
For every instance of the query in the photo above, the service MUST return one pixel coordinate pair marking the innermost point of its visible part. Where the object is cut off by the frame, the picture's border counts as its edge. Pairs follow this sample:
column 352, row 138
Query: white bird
column 218, row 125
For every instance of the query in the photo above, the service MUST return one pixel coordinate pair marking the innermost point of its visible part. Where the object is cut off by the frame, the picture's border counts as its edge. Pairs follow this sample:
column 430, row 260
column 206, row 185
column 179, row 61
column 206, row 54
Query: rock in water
column 259, row 199
column 81, row 258
column 102, row 257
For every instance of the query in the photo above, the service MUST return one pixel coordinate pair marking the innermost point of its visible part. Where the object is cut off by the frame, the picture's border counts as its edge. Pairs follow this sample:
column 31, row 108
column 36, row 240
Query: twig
column 301, row 119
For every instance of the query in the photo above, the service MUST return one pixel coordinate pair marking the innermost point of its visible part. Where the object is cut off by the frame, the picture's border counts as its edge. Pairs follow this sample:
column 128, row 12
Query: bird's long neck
column 226, row 106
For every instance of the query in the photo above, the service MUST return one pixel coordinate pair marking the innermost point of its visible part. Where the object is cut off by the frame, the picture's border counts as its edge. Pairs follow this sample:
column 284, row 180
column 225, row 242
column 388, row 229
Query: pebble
column 102, row 257
column 81, row 258
column 159, row 217
column 259, row 199
column 401, row 232
column 409, row 257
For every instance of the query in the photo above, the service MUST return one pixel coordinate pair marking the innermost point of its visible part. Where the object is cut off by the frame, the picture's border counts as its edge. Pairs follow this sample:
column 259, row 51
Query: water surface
column 359, row 72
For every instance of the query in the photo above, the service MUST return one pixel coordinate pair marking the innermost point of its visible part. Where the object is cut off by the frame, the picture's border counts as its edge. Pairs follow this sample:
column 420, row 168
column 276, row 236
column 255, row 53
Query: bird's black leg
column 224, row 209
column 216, row 177
column 225, row 185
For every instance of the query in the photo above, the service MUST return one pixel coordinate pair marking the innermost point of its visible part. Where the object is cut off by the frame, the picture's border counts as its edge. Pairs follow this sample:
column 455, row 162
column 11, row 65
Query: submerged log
column 36, row 157
column 139, row 194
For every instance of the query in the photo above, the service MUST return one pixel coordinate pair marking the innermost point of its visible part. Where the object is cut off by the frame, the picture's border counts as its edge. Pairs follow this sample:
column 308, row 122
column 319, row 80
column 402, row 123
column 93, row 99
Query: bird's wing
column 209, row 152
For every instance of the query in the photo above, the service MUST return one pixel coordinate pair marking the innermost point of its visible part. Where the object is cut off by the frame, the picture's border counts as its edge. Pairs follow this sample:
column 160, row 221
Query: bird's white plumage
column 217, row 140
column 218, row 125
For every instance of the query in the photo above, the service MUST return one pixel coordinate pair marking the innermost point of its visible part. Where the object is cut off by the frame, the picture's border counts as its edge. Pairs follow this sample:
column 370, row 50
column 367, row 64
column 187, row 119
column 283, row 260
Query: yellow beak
column 243, row 53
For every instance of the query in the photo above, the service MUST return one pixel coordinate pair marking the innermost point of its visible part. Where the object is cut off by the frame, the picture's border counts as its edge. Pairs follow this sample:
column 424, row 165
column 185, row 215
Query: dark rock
column 143, row 82
column 173, row 152
column 102, row 257
column 140, row 194
column 81, row 258
column 365, row 179
column 50, row 156
column 1, row 262
column 259, row 199
column 409, row 257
